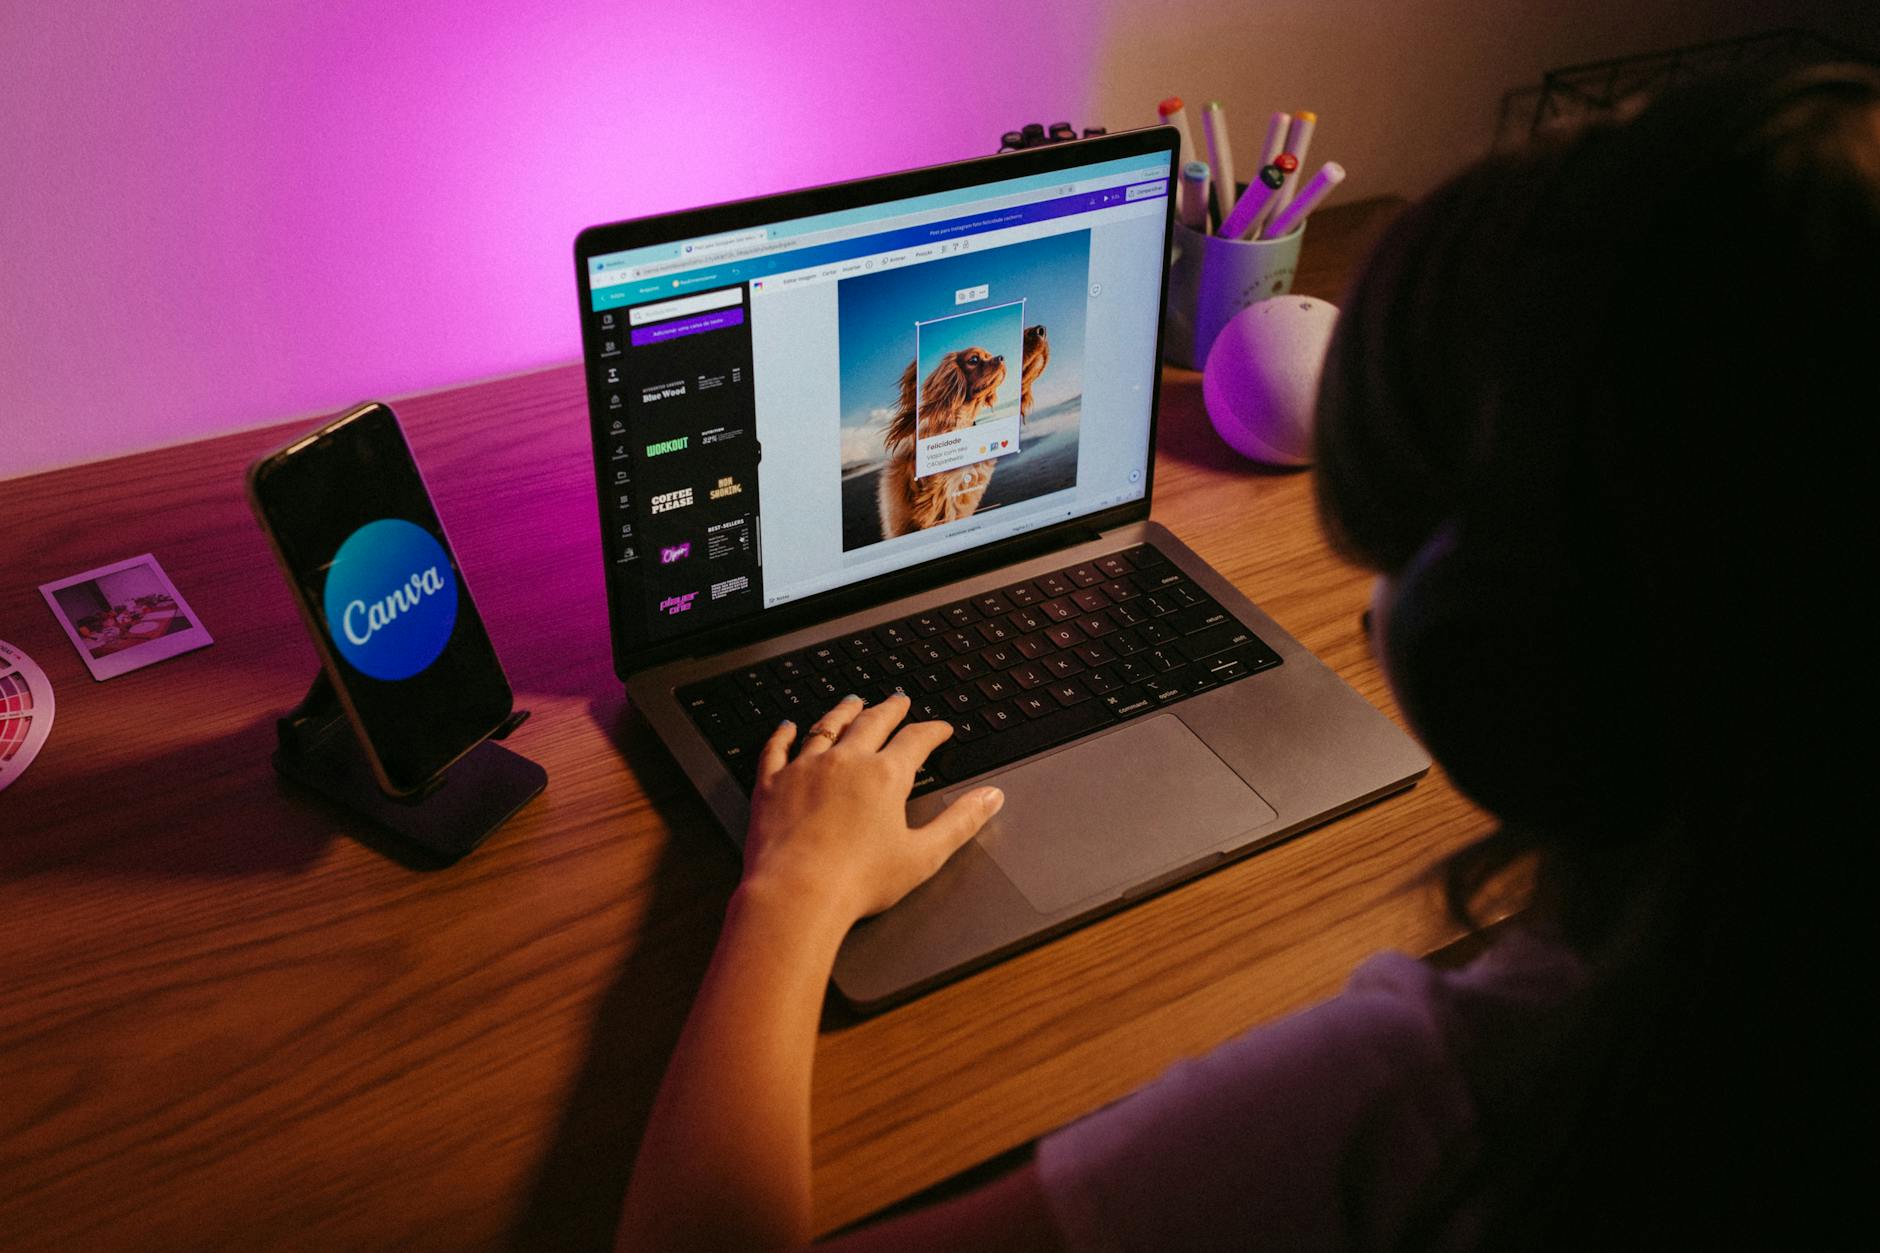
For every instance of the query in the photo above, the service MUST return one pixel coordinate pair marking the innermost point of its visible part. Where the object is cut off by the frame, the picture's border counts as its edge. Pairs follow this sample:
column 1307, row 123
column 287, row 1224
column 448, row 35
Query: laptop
column 899, row 433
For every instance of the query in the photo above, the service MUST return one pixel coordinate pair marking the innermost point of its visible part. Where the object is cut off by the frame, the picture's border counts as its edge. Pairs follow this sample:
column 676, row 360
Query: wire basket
column 1577, row 94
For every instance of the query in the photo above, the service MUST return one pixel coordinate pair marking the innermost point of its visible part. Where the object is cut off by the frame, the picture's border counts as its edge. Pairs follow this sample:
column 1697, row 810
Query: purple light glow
column 223, row 214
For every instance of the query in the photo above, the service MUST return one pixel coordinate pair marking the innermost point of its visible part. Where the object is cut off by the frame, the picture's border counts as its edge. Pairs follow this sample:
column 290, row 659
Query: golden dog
column 959, row 388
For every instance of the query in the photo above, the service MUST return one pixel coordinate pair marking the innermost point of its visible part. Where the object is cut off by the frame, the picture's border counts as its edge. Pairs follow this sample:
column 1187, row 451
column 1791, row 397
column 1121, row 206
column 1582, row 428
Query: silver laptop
column 899, row 433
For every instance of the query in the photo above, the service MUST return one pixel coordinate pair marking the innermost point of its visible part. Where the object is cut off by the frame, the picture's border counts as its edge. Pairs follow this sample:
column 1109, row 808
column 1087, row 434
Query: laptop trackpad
column 1116, row 812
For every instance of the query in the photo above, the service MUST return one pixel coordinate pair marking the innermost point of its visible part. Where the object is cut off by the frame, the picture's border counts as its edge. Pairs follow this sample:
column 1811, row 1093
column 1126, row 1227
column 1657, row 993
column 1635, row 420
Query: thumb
column 960, row 821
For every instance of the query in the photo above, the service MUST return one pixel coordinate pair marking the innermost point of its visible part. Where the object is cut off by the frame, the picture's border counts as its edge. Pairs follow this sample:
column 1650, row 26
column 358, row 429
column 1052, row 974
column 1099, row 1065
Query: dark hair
column 1626, row 374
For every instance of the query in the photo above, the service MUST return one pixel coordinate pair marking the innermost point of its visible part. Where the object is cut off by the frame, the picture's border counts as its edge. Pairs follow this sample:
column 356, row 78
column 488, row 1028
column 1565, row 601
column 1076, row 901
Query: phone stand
column 451, row 815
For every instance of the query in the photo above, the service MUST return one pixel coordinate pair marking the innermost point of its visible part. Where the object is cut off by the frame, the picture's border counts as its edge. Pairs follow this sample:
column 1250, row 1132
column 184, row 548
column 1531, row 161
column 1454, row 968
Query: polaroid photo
column 123, row 616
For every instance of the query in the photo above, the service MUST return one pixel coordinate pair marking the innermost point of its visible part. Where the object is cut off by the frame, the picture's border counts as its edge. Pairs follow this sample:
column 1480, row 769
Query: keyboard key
column 823, row 656
column 1002, row 717
column 1126, row 643
column 1100, row 681
column 1160, row 603
column 1143, row 555
column 1085, row 575
column 1167, row 687
column 753, row 679
column 1068, row 692
column 1094, row 624
column 1155, row 580
column 1064, row 635
column 1023, row 620
column 960, row 615
column 926, row 624
column 859, row 645
column 1090, row 599
column 789, row 669
column 927, row 651
column 897, row 662
column 961, row 641
column 1094, row 654
column 1128, row 702
column 1056, row 585
column 860, row 674
column 1127, row 615
column 1188, row 594
column 995, row 632
column 1022, row 594
column 1135, row 671
column 955, row 762
column 933, row 678
column 1156, row 633
column 1119, row 589
column 895, row 634
column 992, row 604
column 1164, row 659
column 1114, row 566
column 1197, row 618
column 1035, row 704
column 998, row 687
column 1062, row 665
column 1028, row 675
column 1032, row 647
column 1215, row 639
column 1059, row 610
column 1001, row 656
column 967, row 727
column 960, row 699
column 968, row 667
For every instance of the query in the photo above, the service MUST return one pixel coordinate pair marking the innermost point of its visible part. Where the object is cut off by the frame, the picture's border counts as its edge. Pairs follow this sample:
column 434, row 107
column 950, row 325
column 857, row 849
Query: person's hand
column 832, row 823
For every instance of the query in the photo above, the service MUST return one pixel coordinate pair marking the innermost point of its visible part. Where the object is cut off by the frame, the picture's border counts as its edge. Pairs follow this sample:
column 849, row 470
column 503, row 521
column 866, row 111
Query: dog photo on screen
column 961, row 386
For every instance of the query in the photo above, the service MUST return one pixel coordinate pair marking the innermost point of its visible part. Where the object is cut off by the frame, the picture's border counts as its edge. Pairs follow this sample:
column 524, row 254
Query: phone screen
column 377, row 578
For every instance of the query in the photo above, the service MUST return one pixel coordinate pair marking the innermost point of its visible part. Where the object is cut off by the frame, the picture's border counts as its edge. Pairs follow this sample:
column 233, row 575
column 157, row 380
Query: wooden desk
column 229, row 1019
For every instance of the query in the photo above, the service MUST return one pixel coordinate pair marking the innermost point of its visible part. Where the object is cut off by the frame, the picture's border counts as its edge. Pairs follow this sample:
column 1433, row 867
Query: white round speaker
column 1262, row 377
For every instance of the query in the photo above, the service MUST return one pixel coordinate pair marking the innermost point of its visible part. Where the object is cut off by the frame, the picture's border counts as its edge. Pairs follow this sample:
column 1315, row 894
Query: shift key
column 1216, row 639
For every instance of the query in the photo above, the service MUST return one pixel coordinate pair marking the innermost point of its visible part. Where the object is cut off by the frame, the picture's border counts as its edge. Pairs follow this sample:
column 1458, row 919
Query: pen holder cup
column 1211, row 279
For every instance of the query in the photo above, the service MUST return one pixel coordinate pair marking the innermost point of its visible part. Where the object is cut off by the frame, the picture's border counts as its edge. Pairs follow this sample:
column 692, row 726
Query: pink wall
column 222, row 213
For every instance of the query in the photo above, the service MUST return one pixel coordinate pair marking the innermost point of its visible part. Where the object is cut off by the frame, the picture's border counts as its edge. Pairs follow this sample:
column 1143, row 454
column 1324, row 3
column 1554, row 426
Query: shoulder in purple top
column 1326, row 1130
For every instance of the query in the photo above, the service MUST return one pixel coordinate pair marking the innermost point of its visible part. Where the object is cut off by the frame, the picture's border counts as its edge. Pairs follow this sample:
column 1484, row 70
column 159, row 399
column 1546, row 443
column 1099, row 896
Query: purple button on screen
column 643, row 335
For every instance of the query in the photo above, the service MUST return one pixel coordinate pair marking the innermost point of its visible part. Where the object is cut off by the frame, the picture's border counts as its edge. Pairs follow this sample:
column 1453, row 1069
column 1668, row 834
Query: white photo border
column 145, row 653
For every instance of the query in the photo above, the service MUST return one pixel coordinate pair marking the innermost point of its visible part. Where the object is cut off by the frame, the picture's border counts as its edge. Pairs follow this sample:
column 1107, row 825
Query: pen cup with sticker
column 1211, row 279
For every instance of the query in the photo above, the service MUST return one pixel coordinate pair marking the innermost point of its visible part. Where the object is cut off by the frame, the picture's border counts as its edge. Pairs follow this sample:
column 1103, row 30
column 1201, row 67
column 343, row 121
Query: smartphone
column 353, row 527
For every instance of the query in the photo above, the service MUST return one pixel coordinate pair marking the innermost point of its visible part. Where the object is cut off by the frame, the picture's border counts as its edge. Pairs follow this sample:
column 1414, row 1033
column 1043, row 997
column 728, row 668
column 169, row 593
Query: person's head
column 1600, row 413
column 1597, row 412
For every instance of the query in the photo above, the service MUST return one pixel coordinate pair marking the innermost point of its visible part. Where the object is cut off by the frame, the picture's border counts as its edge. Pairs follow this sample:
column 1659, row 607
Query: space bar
column 963, row 761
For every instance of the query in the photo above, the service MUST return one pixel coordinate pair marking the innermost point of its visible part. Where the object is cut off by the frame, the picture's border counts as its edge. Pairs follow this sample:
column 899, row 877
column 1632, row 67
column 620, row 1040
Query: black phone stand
column 451, row 815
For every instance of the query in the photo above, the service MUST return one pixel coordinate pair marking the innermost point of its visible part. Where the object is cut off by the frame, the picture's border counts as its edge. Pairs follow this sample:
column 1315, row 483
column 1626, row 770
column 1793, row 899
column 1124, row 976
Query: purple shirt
column 1322, row 1131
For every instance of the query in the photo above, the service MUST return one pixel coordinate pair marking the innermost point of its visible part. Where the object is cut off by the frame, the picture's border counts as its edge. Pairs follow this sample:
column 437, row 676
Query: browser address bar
column 757, row 242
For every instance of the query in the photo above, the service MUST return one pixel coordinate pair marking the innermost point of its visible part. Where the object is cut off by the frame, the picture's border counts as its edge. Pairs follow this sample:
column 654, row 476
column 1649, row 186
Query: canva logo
column 391, row 599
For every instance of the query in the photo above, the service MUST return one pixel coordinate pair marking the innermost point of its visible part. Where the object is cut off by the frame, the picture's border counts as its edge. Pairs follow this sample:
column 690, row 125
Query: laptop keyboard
column 1016, row 671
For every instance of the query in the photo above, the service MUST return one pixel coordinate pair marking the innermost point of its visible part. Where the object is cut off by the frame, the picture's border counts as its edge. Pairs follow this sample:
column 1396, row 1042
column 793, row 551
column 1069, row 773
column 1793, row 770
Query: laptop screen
column 805, row 403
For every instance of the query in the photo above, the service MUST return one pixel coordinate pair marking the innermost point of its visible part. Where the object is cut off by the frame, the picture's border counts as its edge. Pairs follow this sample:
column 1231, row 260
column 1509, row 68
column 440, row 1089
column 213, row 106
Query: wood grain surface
column 232, row 1016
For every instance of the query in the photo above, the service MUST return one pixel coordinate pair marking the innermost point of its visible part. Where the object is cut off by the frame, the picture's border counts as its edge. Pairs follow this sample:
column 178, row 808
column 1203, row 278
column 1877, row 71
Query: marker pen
column 1221, row 157
column 1193, row 204
column 1330, row 175
column 1275, row 137
column 1173, row 113
column 1260, row 193
column 1298, row 139
column 1287, row 164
